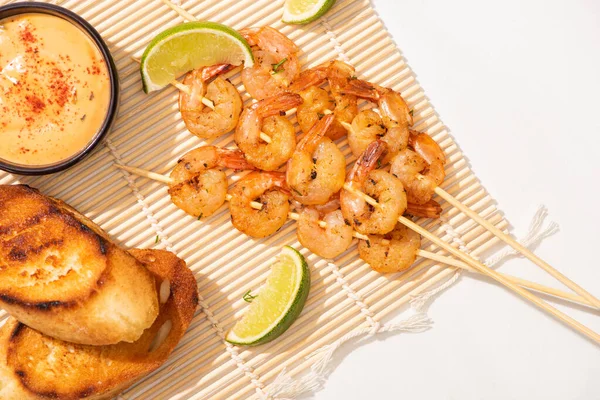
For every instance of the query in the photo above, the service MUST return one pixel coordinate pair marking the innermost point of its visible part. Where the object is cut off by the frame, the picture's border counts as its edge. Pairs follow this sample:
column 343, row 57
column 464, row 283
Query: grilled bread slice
column 62, row 275
column 34, row 366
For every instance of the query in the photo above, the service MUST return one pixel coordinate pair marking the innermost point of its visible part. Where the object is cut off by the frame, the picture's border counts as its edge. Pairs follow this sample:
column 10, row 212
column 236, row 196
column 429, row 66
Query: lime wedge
column 304, row 11
column 278, row 304
column 188, row 46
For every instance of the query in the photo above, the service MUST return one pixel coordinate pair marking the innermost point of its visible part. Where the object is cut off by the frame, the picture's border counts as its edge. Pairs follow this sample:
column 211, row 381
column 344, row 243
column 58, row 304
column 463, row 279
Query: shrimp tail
column 431, row 209
column 426, row 147
column 250, row 34
column 316, row 133
column 308, row 78
column 362, row 89
column 269, row 39
column 278, row 180
column 277, row 104
column 367, row 160
column 234, row 159
column 212, row 71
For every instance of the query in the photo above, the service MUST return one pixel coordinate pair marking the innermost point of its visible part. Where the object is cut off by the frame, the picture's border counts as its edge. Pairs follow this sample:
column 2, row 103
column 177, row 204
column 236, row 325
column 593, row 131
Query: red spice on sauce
column 35, row 103
column 27, row 36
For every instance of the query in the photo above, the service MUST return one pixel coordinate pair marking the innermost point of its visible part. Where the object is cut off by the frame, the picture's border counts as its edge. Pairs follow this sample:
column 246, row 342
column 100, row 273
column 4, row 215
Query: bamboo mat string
column 359, row 301
column 140, row 198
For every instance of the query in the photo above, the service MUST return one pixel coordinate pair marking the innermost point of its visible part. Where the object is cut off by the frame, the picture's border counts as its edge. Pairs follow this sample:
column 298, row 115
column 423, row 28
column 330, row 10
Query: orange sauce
column 54, row 89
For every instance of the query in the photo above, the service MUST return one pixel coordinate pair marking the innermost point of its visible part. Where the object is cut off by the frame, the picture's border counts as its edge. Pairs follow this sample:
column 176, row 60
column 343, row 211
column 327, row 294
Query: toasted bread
column 62, row 275
column 34, row 366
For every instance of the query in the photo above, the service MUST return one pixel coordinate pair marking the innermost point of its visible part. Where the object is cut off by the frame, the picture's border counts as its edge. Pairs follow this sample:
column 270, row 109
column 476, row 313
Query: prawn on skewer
column 203, row 121
column 393, row 252
column 316, row 170
column 264, row 116
column 393, row 125
column 269, row 189
column 276, row 62
column 380, row 185
column 318, row 102
column 198, row 186
column 421, row 170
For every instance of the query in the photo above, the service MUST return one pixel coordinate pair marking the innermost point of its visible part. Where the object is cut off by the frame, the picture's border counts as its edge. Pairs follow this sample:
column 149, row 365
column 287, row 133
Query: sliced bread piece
column 63, row 276
column 34, row 366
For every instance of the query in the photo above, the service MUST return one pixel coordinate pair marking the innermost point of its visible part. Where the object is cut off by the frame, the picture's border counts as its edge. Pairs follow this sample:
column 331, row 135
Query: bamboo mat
column 136, row 212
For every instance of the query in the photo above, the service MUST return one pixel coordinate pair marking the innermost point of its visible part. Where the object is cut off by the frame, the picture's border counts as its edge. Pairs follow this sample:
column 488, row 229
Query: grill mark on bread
column 16, row 331
column 20, row 254
column 87, row 392
column 42, row 306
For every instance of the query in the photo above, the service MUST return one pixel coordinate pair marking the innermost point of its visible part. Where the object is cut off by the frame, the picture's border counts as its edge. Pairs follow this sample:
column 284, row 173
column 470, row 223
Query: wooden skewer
column 184, row 14
column 521, row 282
column 425, row 254
column 519, row 247
column 484, row 270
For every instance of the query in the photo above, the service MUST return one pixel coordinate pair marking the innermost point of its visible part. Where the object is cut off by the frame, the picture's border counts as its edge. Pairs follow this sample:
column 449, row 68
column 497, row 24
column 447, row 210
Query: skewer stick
column 521, row 282
column 147, row 174
column 484, row 270
column 425, row 254
column 184, row 14
column 519, row 247
column 347, row 126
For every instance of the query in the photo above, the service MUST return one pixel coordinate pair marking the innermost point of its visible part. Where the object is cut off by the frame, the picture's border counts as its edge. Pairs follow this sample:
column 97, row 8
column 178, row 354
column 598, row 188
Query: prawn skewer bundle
column 326, row 224
column 372, row 199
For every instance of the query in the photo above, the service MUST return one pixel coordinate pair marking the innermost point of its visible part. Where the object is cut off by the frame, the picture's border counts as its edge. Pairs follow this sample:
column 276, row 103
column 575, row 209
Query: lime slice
column 278, row 304
column 189, row 46
column 304, row 11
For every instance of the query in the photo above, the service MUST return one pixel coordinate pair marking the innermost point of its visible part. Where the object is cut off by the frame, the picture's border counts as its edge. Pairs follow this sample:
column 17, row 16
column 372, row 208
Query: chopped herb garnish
column 248, row 297
column 320, row 115
column 353, row 77
column 279, row 66
column 411, row 112
column 200, row 216
column 368, row 243
column 297, row 192
column 156, row 240
column 83, row 117
column 378, row 163
column 313, row 174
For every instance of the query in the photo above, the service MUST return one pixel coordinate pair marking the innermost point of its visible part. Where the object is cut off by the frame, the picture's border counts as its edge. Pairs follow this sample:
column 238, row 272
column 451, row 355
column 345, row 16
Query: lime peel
column 188, row 46
column 278, row 304
column 302, row 12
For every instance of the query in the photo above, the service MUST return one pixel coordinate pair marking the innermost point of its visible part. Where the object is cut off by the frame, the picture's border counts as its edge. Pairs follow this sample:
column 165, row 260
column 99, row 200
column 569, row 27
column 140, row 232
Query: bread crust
column 34, row 366
column 63, row 276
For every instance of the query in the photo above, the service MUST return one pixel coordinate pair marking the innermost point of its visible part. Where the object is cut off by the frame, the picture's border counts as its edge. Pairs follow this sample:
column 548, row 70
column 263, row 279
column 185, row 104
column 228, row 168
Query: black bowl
column 111, row 114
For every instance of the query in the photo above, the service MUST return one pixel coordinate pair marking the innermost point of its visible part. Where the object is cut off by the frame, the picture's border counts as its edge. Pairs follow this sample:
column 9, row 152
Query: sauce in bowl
column 55, row 89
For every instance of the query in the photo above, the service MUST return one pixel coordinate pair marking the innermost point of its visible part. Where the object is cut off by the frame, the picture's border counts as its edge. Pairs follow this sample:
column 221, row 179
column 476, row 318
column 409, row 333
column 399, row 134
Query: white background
column 527, row 71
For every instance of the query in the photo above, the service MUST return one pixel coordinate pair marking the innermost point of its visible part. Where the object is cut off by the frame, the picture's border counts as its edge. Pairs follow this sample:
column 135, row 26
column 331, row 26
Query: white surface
column 529, row 71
